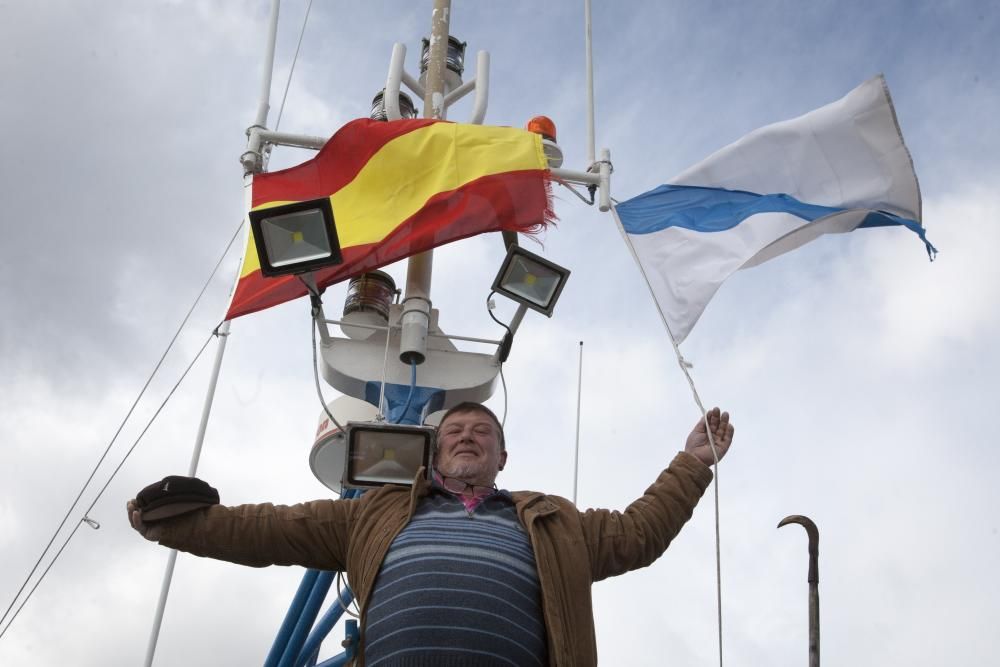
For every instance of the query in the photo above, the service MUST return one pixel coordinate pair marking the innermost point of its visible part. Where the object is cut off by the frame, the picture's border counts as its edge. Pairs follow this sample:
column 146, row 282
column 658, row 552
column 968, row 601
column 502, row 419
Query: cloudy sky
column 862, row 378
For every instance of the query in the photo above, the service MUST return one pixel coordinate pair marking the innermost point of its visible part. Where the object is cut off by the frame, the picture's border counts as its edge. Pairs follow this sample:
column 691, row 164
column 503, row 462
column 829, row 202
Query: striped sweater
column 457, row 587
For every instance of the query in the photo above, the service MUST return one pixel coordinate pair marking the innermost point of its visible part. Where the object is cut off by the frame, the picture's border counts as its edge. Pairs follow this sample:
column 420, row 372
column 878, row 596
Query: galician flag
column 833, row 170
column 399, row 188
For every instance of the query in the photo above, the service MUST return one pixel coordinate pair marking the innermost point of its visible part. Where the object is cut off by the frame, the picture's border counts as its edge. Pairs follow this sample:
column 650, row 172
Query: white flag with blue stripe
column 833, row 170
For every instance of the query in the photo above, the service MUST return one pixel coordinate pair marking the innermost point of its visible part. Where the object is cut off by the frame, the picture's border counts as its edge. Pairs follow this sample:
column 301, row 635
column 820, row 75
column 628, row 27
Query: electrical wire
column 319, row 390
column 591, row 189
column 489, row 311
column 385, row 365
column 124, row 421
column 503, row 383
column 510, row 338
column 106, row 484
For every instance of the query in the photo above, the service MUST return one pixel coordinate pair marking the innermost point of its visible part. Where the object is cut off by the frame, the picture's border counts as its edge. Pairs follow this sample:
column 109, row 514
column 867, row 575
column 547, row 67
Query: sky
column 861, row 378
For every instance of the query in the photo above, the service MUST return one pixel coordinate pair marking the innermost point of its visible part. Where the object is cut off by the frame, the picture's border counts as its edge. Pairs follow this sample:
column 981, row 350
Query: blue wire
column 409, row 397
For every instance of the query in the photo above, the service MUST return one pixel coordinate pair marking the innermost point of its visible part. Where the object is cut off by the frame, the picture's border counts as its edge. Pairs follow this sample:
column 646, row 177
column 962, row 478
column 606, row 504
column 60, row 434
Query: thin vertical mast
column 417, row 300
column 260, row 120
column 579, row 394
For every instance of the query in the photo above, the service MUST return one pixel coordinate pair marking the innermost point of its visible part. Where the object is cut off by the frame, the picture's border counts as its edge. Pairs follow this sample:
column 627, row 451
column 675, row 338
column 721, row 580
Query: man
column 453, row 571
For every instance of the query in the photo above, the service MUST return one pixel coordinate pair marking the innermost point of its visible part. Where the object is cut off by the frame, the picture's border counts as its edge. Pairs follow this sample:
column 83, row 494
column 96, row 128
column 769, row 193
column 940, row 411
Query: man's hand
column 722, row 435
column 151, row 532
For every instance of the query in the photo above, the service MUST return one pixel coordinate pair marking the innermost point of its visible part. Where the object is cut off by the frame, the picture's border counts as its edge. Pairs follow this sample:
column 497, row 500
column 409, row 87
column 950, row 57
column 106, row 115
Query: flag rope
column 685, row 367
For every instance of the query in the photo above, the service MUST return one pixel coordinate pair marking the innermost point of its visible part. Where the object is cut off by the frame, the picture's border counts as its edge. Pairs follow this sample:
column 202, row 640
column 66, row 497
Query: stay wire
column 685, row 367
column 266, row 153
column 291, row 70
column 100, row 493
column 124, row 421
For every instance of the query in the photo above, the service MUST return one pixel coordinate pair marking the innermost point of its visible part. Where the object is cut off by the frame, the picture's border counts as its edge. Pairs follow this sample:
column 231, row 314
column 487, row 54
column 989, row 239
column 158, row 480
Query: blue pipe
column 291, row 618
column 306, row 619
column 352, row 636
column 409, row 397
column 323, row 628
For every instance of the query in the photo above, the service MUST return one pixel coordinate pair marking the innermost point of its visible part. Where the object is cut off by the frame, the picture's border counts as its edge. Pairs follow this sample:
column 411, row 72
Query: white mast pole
column 417, row 300
column 591, row 153
column 576, row 454
column 223, row 331
column 168, row 574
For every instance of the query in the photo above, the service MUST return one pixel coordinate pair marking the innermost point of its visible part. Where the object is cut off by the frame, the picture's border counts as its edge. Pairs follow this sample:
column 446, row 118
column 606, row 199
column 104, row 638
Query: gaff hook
column 813, row 579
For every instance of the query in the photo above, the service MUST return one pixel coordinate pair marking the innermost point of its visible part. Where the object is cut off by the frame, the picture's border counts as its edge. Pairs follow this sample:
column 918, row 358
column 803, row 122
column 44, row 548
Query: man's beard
column 471, row 471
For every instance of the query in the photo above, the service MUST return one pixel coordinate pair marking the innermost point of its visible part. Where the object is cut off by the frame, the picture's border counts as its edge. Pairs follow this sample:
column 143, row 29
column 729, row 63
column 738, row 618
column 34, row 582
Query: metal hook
column 90, row 522
column 813, row 534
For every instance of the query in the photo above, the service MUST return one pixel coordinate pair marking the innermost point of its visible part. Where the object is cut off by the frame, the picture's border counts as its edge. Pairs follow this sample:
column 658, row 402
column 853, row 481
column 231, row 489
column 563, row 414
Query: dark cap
column 173, row 496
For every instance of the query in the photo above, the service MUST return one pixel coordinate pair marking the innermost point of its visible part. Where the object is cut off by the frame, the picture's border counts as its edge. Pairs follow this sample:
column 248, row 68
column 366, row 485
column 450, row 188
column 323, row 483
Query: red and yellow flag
column 398, row 189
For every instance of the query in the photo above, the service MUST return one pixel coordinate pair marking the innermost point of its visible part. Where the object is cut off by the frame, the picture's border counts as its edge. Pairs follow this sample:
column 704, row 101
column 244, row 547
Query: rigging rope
column 135, row 403
column 685, row 366
column 291, row 71
column 266, row 151
column 121, row 426
column 106, row 484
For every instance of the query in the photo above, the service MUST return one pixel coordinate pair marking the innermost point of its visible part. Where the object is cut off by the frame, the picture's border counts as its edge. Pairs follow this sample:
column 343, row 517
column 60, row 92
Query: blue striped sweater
column 457, row 588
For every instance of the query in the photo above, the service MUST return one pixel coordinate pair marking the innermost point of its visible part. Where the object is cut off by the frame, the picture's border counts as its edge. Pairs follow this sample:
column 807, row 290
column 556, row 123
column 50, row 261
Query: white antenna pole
column 223, row 331
column 579, row 393
column 591, row 153
column 265, row 87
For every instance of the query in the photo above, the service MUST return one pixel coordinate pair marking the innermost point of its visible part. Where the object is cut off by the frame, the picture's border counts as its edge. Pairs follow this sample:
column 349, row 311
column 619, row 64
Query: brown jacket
column 573, row 549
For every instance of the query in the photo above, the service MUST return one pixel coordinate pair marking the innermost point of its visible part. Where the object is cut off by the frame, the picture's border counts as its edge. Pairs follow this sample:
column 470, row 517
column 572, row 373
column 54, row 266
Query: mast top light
column 542, row 125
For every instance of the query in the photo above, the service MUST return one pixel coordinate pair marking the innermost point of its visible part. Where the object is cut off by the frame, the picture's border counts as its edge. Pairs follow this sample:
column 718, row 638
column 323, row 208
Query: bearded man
column 453, row 571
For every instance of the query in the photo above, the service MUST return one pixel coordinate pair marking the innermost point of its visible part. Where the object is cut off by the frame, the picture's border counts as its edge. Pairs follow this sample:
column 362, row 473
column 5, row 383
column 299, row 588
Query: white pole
column 252, row 162
column 168, row 574
column 263, row 105
column 252, row 159
column 417, row 300
column 482, row 99
column 576, row 454
column 590, row 84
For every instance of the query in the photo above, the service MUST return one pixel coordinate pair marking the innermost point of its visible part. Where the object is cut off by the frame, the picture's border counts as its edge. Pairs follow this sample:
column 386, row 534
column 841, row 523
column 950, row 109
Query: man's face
column 469, row 448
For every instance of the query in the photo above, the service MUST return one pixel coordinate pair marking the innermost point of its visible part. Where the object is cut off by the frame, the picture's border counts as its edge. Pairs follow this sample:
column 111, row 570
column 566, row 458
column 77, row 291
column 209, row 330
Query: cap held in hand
column 173, row 496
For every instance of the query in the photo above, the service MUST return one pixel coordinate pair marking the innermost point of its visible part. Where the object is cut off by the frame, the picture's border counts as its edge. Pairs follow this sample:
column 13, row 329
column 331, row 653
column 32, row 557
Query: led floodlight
column 530, row 280
column 380, row 454
column 295, row 238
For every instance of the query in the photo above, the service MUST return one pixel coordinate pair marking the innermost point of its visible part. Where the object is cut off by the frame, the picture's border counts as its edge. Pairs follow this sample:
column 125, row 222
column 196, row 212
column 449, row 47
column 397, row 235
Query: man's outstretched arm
column 313, row 534
column 622, row 541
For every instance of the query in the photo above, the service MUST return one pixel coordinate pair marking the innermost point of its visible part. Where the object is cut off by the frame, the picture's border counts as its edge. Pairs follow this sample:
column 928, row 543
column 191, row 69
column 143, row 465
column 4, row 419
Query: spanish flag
column 399, row 188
